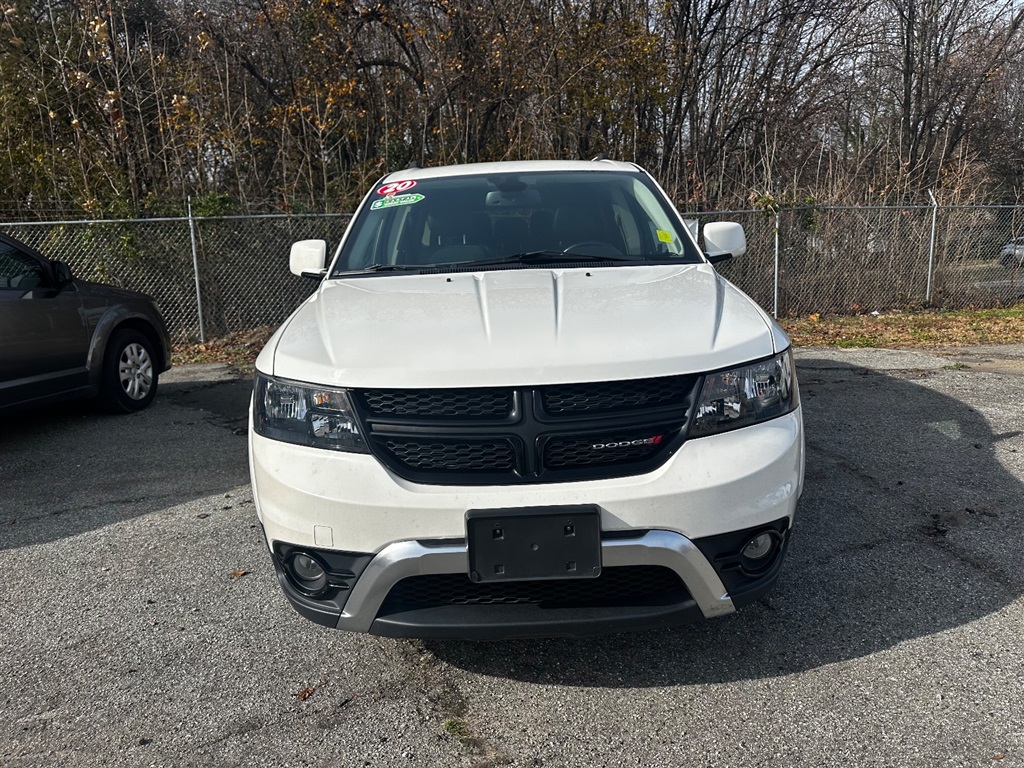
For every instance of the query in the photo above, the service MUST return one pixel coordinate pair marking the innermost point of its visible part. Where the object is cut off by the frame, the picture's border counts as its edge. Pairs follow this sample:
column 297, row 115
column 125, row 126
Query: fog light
column 760, row 552
column 759, row 547
column 307, row 573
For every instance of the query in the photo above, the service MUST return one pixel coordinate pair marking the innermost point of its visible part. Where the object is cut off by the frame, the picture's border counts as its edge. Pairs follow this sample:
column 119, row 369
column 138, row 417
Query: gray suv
column 63, row 338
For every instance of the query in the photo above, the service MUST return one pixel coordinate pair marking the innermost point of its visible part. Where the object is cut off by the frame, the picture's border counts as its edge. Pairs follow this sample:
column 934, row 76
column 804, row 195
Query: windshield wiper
column 527, row 258
column 381, row 268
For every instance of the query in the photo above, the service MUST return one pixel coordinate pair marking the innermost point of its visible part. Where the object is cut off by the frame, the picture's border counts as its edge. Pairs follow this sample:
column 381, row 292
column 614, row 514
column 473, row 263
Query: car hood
column 110, row 292
column 523, row 326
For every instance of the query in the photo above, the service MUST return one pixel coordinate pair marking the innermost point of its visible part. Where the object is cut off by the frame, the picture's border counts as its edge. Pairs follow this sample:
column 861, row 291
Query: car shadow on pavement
column 70, row 468
column 909, row 525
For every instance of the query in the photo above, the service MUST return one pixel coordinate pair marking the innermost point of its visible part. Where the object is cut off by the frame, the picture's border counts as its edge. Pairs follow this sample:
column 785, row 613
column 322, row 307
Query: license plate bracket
column 534, row 543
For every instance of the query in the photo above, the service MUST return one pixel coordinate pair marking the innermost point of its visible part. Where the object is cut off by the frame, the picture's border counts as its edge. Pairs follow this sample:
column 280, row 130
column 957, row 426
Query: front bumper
column 711, row 485
column 387, row 529
column 368, row 606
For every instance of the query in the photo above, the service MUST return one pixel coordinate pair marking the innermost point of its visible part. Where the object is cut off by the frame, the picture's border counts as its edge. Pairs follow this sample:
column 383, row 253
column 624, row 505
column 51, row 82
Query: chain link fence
column 215, row 275
column 234, row 267
column 850, row 260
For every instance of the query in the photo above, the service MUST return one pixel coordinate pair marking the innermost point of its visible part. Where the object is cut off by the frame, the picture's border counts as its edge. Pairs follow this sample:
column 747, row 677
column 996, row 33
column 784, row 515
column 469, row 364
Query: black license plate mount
column 534, row 543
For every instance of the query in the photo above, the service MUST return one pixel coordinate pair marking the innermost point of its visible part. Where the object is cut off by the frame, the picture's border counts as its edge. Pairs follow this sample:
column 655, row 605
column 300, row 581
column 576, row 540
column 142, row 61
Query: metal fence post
column 195, row 269
column 931, row 251
column 775, row 308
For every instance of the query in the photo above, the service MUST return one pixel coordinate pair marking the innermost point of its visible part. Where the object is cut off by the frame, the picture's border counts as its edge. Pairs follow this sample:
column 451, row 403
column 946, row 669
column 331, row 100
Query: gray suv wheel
column 129, row 374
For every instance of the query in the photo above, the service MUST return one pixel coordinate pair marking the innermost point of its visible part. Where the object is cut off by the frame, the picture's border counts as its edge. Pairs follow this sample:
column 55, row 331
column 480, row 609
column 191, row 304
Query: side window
column 18, row 271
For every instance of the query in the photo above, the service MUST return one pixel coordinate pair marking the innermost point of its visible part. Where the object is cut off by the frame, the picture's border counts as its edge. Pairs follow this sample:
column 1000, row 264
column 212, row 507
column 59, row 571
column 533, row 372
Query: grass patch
column 933, row 328
column 238, row 349
column 457, row 728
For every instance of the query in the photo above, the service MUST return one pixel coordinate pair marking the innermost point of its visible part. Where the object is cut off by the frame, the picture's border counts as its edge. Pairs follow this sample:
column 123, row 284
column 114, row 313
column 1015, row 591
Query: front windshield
column 460, row 220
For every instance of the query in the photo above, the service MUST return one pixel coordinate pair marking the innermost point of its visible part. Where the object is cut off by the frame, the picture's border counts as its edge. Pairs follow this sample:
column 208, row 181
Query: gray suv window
column 18, row 271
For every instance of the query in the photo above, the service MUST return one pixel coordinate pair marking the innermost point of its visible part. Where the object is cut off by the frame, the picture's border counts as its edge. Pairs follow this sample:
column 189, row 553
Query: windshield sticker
column 665, row 237
column 396, row 186
column 391, row 202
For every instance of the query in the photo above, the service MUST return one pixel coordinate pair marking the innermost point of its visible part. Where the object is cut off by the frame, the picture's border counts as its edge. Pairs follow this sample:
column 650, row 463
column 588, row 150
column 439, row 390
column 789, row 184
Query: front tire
column 129, row 373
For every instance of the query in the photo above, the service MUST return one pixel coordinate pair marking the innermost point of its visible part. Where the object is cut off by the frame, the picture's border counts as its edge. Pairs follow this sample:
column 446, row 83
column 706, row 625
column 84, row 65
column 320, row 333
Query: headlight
column 746, row 395
column 305, row 414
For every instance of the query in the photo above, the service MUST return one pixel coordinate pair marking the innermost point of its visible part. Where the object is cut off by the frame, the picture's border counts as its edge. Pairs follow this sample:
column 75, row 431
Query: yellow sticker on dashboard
column 665, row 237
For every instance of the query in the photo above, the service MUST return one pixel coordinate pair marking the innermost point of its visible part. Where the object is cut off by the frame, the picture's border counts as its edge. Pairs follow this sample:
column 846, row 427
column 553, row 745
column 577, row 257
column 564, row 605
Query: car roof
column 512, row 166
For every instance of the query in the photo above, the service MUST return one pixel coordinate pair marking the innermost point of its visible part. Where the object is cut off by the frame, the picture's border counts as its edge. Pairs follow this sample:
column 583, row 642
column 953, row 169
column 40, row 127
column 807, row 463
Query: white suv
column 522, row 402
column 1011, row 255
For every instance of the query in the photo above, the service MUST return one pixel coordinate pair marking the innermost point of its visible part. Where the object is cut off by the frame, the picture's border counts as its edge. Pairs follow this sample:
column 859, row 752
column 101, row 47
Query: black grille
column 558, row 433
column 616, row 395
column 476, row 456
column 449, row 403
column 625, row 585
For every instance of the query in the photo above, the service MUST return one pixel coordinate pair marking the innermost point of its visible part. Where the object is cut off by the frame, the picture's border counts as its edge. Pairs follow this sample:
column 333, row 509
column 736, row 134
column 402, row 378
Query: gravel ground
column 142, row 624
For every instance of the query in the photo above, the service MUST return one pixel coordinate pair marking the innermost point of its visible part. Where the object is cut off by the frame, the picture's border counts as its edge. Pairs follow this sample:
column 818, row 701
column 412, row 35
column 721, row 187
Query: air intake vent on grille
column 427, row 454
column 450, row 403
column 616, row 395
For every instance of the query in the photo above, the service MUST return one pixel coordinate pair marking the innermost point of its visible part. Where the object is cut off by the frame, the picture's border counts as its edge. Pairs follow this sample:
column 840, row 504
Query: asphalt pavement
column 141, row 623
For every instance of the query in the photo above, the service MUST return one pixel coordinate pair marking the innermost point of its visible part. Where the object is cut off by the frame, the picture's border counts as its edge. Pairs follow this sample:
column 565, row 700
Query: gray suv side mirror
column 62, row 275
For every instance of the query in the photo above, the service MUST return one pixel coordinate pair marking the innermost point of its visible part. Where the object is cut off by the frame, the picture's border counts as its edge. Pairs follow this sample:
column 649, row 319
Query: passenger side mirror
column 62, row 275
column 308, row 258
column 724, row 240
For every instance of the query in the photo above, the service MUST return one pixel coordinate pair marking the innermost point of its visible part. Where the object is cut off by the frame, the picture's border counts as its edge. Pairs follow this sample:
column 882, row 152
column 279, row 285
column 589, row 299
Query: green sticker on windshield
column 393, row 200
column 665, row 237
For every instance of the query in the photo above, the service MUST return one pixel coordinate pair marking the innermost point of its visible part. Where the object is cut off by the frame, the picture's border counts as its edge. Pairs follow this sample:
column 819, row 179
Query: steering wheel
column 592, row 248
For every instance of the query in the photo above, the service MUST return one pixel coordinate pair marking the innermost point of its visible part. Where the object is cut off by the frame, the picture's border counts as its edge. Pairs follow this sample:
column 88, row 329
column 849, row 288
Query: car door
column 44, row 340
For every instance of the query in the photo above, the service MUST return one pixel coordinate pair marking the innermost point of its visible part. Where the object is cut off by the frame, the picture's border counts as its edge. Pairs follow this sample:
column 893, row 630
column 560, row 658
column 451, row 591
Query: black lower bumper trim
column 506, row 622
column 724, row 553
column 317, row 611
column 343, row 568
column 757, row 588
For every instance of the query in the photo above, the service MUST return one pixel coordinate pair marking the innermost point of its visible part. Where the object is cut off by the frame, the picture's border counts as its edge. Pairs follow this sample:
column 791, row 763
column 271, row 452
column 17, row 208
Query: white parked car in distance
column 1012, row 253
column 522, row 402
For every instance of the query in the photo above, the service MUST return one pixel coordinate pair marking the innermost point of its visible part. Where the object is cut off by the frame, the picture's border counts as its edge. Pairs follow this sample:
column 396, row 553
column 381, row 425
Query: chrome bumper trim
column 412, row 558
